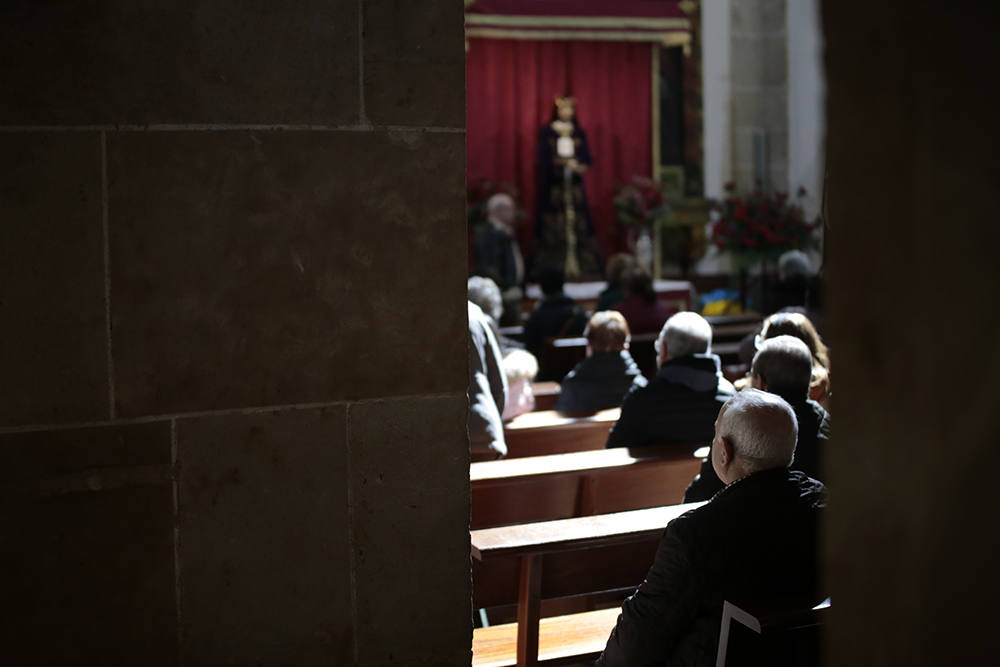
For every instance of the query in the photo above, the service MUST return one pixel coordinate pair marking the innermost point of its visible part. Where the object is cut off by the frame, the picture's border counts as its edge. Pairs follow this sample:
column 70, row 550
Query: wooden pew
column 643, row 350
column 574, row 637
column 514, row 332
column 561, row 486
column 527, row 563
column 547, row 432
column 545, row 394
column 738, row 318
column 560, row 355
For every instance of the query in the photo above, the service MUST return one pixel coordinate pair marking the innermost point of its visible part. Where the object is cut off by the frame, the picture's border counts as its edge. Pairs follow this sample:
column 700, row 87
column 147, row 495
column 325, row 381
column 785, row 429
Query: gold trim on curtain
column 664, row 38
column 515, row 21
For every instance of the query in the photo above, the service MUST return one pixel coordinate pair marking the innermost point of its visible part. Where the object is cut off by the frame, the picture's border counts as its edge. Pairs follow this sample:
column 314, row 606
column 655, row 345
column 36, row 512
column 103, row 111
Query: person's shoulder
column 811, row 492
column 574, row 376
column 818, row 410
column 686, row 528
column 477, row 318
column 640, row 392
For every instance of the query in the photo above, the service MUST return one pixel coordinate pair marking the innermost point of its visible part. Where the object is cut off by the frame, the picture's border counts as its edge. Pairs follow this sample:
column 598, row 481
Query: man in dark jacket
column 602, row 379
column 555, row 316
column 681, row 403
column 497, row 255
column 783, row 366
column 754, row 542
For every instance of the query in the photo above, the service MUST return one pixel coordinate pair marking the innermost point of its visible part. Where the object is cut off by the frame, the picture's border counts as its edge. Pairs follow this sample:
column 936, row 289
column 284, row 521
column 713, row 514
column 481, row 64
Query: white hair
column 484, row 293
column 794, row 263
column 497, row 201
column 520, row 365
column 761, row 428
column 685, row 333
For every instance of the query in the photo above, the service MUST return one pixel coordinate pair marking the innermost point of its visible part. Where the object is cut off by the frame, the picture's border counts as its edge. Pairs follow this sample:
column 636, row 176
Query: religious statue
column 564, row 232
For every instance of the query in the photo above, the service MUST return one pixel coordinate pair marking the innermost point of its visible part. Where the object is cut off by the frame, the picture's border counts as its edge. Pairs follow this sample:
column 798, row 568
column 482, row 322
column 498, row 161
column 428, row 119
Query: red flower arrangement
column 761, row 226
column 642, row 202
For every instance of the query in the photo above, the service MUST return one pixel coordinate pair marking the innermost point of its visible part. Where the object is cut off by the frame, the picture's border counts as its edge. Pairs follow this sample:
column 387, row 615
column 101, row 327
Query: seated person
column 496, row 254
column 644, row 313
column 797, row 284
column 790, row 322
column 782, row 366
column 681, row 403
column 556, row 315
column 602, row 379
column 520, row 368
column 618, row 266
column 755, row 542
column 798, row 325
column 487, row 390
column 484, row 293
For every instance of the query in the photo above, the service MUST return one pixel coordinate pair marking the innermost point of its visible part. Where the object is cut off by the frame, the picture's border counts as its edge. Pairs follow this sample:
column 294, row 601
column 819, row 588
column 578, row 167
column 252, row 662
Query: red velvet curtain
column 510, row 88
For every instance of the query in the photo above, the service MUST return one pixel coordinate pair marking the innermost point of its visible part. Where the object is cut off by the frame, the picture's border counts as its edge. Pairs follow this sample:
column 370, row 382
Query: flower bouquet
column 759, row 227
column 642, row 203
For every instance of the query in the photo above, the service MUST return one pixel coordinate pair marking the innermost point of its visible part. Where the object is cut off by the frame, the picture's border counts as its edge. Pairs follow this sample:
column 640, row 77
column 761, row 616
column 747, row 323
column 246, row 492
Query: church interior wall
column 716, row 95
column 233, row 244
column 806, row 99
column 759, row 88
column 186, row 479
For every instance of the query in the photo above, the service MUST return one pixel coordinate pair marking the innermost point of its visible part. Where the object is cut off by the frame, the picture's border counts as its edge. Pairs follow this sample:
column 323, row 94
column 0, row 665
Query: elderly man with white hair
column 495, row 251
column 755, row 542
column 681, row 403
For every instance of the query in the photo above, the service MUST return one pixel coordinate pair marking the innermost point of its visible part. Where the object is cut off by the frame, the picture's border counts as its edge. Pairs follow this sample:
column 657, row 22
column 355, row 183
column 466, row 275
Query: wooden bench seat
column 547, row 432
column 545, row 394
column 561, row 486
column 559, row 355
column 556, row 559
column 578, row 638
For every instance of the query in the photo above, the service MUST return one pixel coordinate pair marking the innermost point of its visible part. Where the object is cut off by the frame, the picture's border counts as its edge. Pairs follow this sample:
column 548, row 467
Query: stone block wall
column 232, row 261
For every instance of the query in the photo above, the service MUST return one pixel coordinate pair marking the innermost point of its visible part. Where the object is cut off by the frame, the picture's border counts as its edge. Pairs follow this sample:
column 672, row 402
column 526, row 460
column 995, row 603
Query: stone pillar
column 912, row 544
column 232, row 241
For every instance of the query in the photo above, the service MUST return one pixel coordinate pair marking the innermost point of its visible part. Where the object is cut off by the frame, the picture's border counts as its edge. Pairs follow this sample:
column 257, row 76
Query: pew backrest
column 619, row 551
column 547, row 432
column 561, row 486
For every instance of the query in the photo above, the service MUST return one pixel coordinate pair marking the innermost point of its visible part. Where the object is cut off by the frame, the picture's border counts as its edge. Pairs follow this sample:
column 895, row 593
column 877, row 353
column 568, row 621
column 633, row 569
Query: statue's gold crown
column 565, row 102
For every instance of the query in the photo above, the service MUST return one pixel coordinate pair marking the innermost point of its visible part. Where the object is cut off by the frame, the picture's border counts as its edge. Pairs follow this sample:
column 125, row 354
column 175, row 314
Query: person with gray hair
column 797, row 285
column 755, row 541
column 496, row 253
column 681, row 403
column 683, row 334
column 487, row 393
column 794, row 263
column 484, row 293
column 783, row 366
